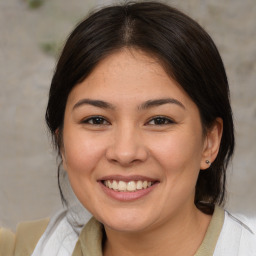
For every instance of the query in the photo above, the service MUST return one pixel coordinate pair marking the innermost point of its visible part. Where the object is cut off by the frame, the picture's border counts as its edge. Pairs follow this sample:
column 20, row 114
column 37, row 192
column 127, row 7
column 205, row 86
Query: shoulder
column 24, row 240
column 59, row 237
column 237, row 237
column 7, row 242
column 28, row 234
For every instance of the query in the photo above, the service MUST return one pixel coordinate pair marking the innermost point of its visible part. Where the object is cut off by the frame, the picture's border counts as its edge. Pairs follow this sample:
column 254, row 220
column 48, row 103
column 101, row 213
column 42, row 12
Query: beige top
column 90, row 239
column 25, row 239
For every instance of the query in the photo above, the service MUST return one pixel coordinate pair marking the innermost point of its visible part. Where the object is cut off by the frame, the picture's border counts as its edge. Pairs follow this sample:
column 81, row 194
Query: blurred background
column 31, row 34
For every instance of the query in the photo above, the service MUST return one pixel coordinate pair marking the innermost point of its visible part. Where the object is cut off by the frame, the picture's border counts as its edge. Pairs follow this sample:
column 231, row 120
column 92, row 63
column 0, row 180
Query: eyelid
column 168, row 119
column 90, row 118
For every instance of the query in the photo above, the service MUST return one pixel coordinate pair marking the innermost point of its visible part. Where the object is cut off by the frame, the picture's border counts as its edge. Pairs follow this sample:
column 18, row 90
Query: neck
column 181, row 235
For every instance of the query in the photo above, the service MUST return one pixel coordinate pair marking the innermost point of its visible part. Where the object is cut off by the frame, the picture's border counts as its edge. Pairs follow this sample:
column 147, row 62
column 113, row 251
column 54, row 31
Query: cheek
column 178, row 154
column 82, row 156
column 180, row 158
column 82, row 153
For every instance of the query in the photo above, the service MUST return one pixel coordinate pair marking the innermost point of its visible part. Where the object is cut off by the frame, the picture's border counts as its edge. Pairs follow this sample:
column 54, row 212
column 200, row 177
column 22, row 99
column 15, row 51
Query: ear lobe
column 212, row 144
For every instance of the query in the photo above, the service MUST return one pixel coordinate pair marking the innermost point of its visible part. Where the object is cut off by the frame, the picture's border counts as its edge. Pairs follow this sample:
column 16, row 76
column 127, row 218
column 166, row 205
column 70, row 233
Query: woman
column 139, row 112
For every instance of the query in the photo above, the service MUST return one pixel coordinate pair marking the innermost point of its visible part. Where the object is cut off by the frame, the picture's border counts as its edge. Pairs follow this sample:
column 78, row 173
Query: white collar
column 62, row 232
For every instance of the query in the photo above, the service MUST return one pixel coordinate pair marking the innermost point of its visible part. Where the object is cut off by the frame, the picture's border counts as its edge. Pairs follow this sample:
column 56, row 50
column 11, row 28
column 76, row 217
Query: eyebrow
column 159, row 102
column 96, row 103
column 143, row 106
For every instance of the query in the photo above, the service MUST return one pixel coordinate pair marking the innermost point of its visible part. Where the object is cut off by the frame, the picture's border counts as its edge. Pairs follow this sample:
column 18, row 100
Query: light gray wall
column 28, row 185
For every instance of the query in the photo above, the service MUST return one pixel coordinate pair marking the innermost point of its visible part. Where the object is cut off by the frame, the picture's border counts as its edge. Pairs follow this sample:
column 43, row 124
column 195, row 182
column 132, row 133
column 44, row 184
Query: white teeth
column 109, row 184
column 114, row 185
column 130, row 186
column 139, row 184
column 121, row 186
column 144, row 184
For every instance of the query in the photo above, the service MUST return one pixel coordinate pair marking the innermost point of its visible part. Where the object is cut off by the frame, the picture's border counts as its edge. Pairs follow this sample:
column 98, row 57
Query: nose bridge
column 127, row 146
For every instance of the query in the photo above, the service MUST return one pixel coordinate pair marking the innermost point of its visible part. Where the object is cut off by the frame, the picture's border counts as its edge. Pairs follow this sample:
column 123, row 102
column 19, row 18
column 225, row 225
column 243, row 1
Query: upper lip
column 127, row 178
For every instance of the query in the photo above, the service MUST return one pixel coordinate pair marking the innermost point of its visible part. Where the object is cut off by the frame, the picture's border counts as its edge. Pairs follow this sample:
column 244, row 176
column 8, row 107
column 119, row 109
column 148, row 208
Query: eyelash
column 162, row 120
column 96, row 120
column 100, row 120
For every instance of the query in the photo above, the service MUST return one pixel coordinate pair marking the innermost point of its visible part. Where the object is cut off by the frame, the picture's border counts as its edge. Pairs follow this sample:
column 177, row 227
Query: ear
column 212, row 143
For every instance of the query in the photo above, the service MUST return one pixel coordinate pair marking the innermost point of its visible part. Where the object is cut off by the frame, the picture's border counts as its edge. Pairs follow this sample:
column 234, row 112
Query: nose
column 127, row 147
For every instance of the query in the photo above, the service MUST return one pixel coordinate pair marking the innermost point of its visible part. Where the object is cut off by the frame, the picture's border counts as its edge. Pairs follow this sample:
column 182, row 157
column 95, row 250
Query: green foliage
column 51, row 48
column 35, row 3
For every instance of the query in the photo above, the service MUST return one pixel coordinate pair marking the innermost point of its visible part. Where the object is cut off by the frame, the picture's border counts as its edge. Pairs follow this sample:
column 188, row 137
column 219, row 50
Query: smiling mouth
column 130, row 186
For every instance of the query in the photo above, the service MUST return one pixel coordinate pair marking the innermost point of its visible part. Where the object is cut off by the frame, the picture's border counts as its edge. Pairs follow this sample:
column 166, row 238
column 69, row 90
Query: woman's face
column 132, row 143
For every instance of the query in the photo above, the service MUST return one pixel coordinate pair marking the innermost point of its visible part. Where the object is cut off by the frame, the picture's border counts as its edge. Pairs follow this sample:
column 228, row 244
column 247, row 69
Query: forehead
column 129, row 75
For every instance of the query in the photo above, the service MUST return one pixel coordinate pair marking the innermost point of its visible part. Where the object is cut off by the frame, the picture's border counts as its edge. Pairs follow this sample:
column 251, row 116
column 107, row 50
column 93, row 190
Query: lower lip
column 127, row 196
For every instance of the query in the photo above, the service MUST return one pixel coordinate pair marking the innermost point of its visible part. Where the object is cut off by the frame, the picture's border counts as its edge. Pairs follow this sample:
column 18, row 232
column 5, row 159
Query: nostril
column 127, row 149
column 122, row 156
column 126, row 160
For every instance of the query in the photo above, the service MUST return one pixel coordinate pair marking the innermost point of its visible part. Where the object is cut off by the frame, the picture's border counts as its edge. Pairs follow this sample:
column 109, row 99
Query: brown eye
column 160, row 121
column 96, row 120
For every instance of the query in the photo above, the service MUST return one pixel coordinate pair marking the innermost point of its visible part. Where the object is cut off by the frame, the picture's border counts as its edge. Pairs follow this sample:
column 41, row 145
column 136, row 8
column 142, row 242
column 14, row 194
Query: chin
column 126, row 222
column 126, row 227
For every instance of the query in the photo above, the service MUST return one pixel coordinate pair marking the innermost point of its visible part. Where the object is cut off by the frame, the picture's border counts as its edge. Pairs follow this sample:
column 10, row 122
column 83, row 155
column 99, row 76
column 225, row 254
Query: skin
column 129, row 140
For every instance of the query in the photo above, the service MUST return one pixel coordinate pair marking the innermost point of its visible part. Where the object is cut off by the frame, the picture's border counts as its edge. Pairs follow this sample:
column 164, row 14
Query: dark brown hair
column 185, row 50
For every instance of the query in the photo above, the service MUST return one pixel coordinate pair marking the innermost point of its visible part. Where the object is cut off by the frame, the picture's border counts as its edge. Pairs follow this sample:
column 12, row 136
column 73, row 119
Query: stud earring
column 208, row 162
